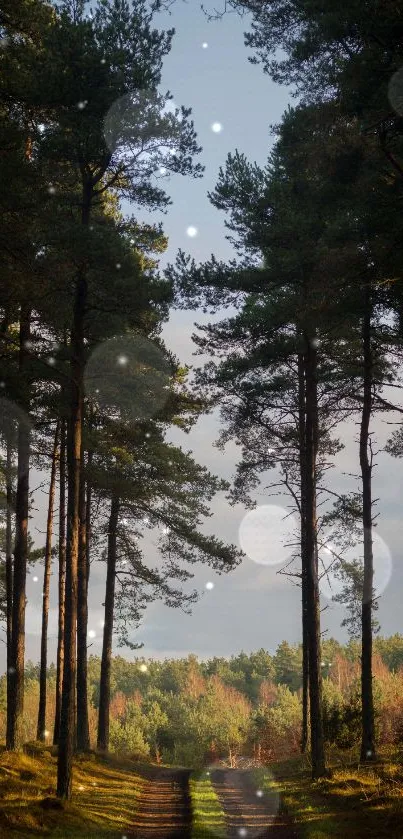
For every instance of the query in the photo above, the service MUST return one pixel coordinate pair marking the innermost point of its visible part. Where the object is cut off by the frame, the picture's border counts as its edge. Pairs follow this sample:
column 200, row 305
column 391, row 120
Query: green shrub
column 127, row 738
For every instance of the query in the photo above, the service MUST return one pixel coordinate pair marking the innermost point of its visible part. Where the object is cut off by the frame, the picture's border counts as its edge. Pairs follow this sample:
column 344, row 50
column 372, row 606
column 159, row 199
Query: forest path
column 164, row 807
column 247, row 814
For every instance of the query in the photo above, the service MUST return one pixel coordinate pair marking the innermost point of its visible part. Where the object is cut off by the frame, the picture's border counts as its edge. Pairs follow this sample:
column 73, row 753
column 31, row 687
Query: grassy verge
column 207, row 814
column 357, row 801
column 104, row 803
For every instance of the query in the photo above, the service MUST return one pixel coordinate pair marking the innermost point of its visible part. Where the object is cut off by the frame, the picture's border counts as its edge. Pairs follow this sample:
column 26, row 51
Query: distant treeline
column 194, row 712
column 244, row 672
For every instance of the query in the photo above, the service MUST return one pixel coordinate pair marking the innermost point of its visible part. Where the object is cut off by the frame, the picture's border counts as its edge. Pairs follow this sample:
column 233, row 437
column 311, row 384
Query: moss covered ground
column 104, row 803
column 356, row 801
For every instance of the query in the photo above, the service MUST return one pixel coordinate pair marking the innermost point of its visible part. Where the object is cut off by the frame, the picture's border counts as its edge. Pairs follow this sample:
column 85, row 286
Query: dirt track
column 164, row 811
column 249, row 814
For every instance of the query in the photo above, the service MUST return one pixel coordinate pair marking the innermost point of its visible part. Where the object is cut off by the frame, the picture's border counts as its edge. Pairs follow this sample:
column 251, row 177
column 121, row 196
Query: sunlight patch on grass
column 355, row 801
column 208, row 818
column 105, row 797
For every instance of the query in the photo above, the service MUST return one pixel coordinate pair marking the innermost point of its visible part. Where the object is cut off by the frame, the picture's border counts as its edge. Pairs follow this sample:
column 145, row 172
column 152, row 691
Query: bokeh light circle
column 331, row 583
column 257, row 805
column 12, row 418
column 395, row 91
column 142, row 123
column 267, row 534
column 128, row 375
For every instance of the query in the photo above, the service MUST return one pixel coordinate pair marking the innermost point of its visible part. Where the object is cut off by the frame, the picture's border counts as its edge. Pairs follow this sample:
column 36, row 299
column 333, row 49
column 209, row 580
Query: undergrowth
column 104, row 801
column 358, row 800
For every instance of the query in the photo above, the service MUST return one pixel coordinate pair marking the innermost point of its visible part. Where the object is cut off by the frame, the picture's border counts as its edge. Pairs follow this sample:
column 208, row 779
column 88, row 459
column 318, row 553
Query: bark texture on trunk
column 15, row 736
column 305, row 642
column 305, row 669
column 83, row 729
column 88, row 517
column 312, row 583
column 9, row 574
column 62, row 580
column 67, row 735
column 368, row 746
column 41, row 726
column 105, row 683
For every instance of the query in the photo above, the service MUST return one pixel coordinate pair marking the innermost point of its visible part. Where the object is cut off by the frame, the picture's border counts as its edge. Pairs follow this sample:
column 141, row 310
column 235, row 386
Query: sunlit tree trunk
column 9, row 573
column 105, row 684
column 88, row 522
column 46, row 587
column 305, row 642
column 368, row 746
column 312, row 583
column 62, row 580
column 14, row 737
column 67, row 737
column 83, row 730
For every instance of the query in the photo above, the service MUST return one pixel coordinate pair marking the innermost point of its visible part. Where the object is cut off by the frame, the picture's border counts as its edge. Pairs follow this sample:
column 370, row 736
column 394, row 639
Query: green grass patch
column 355, row 801
column 208, row 818
column 104, row 803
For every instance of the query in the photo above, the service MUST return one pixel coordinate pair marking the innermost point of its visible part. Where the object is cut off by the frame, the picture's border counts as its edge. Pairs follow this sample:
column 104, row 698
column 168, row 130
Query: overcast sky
column 253, row 607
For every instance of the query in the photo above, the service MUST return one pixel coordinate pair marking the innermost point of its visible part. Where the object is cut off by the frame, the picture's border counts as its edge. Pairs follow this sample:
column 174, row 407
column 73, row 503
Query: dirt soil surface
column 248, row 812
column 164, row 807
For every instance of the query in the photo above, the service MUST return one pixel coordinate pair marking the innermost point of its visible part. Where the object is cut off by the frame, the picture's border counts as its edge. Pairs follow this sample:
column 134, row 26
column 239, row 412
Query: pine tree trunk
column 312, row 583
column 62, row 581
column 41, row 726
column 14, row 738
column 9, row 574
column 105, row 684
column 83, row 729
column 368, row 749
column 305, row 669
column 67, row 736
column 305, row 642
column 88, row 515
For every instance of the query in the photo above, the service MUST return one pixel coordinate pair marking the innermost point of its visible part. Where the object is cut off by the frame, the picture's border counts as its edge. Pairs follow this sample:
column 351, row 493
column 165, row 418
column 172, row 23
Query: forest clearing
column 201, row 373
